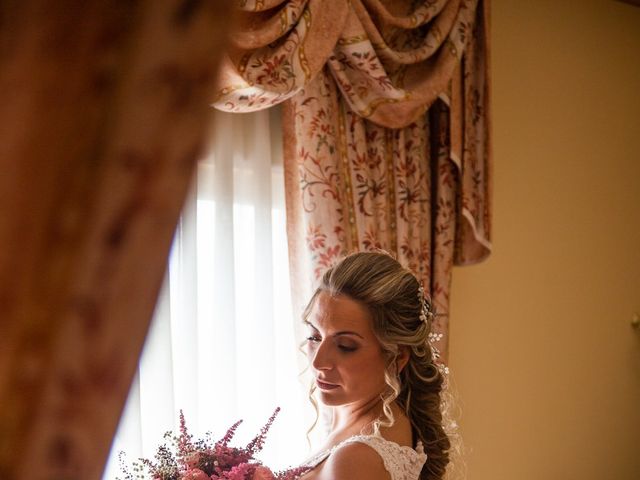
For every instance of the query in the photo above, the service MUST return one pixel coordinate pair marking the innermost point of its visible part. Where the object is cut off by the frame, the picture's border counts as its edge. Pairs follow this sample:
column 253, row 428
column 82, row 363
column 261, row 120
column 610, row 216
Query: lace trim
column 402, row 462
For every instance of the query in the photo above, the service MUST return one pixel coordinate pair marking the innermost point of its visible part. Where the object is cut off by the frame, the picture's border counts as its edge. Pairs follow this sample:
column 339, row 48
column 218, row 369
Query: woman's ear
column 402, row 358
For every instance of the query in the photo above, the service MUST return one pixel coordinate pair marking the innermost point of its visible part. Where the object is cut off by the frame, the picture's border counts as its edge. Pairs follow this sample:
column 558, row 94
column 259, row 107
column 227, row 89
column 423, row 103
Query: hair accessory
column 435, row 352
column 427, row 314
column 426, row 310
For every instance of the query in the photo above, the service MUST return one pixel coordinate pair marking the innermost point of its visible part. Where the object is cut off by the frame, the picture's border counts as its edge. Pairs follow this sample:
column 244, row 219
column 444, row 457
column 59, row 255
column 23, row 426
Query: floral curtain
column 386, row 129
column 103, row 113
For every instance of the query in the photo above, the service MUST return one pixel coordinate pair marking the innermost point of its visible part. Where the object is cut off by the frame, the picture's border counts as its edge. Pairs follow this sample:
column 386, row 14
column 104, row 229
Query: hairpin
column 426, row 310
column 427, row 314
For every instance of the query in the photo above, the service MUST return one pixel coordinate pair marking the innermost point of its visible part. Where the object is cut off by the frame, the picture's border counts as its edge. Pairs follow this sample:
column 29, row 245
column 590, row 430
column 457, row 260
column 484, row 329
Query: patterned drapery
column 104, row 112
column 386, row 129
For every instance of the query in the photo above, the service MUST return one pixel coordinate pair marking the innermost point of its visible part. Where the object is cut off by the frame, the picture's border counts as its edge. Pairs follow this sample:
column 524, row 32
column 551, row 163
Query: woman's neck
column 353, row 418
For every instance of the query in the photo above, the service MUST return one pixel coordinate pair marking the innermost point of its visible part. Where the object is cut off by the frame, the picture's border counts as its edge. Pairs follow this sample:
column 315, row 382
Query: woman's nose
column 322, row 357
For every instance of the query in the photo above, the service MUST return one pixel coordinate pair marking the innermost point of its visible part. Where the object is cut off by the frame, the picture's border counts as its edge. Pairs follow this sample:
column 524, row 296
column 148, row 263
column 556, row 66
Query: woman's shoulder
column 370, row 457
column 355, row 459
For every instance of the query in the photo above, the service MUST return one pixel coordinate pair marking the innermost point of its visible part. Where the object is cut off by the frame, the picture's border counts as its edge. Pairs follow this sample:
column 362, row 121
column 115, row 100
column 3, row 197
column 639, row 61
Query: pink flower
column 183, row 458
column 239, row 472
column 263, row 473
column 195, row 474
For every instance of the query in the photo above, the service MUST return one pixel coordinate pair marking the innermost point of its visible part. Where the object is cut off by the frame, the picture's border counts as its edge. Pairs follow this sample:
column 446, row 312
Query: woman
column 373, row 366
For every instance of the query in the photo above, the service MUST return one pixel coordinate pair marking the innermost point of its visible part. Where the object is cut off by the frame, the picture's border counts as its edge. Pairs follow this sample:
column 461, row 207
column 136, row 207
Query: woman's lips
column 325, row 386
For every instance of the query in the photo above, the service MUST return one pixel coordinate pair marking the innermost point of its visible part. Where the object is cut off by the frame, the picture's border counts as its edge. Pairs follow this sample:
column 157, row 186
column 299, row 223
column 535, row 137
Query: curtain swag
column 386, row 129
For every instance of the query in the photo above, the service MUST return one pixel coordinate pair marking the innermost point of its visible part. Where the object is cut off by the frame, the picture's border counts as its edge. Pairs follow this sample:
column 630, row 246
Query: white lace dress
column 402, row 463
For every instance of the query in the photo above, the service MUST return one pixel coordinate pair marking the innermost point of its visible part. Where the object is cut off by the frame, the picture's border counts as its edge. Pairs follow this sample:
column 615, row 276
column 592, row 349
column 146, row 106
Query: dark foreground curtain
column 104, row 106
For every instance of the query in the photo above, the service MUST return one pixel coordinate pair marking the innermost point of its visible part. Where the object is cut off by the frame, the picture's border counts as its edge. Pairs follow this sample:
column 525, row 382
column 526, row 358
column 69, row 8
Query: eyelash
column 343, row 348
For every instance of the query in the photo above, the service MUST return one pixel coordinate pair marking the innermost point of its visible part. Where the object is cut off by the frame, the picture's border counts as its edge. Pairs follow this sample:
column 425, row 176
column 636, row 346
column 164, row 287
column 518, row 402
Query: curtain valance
column 390, row 61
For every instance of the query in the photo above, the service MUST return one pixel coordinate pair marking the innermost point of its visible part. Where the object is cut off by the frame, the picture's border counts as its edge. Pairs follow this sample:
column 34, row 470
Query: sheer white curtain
column 221, row 345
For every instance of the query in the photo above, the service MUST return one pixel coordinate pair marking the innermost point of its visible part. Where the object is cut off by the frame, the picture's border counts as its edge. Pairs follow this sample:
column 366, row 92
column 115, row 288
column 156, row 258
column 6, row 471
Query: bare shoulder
column 354, row 461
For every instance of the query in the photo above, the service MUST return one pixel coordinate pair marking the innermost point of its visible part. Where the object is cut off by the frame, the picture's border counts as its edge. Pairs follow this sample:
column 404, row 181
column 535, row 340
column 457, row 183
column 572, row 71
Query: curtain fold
column 368, row 187
column 386, row 129
column 103, row 113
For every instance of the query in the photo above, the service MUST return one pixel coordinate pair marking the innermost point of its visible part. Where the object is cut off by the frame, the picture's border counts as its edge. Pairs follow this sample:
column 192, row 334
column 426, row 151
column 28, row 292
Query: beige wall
column 546, row 363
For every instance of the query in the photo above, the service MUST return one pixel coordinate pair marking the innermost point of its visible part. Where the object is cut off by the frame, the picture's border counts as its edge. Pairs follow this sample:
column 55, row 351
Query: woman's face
column 345, row 355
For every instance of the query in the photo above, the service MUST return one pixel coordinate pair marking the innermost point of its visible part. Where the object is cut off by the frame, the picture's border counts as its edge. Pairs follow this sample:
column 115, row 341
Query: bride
column 368, row 348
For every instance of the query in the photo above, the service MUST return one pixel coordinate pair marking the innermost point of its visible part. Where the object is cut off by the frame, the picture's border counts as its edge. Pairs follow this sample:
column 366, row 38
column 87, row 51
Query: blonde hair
column 392, row 296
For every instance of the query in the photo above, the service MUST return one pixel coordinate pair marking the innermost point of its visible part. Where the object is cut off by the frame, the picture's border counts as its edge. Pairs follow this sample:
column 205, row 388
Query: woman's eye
column 314, row 339
column 347, row 348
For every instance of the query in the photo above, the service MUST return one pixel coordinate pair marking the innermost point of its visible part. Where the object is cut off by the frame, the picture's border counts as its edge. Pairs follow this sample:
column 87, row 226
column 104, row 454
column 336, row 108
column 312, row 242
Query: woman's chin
column 331, row 398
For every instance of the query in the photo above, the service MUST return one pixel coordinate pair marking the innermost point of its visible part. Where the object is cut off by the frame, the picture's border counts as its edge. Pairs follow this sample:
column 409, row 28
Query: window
column 221, row 345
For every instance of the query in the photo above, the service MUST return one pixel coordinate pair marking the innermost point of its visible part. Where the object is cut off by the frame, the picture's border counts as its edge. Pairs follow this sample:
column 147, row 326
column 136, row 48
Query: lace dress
column 402, row 463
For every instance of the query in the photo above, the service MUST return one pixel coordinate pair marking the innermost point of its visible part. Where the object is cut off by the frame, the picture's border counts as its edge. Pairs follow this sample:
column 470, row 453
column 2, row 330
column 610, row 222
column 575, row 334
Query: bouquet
column 183, row 458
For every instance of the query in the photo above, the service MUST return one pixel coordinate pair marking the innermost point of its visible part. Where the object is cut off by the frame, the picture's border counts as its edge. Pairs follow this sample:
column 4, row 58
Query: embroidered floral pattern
column 387, row 124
